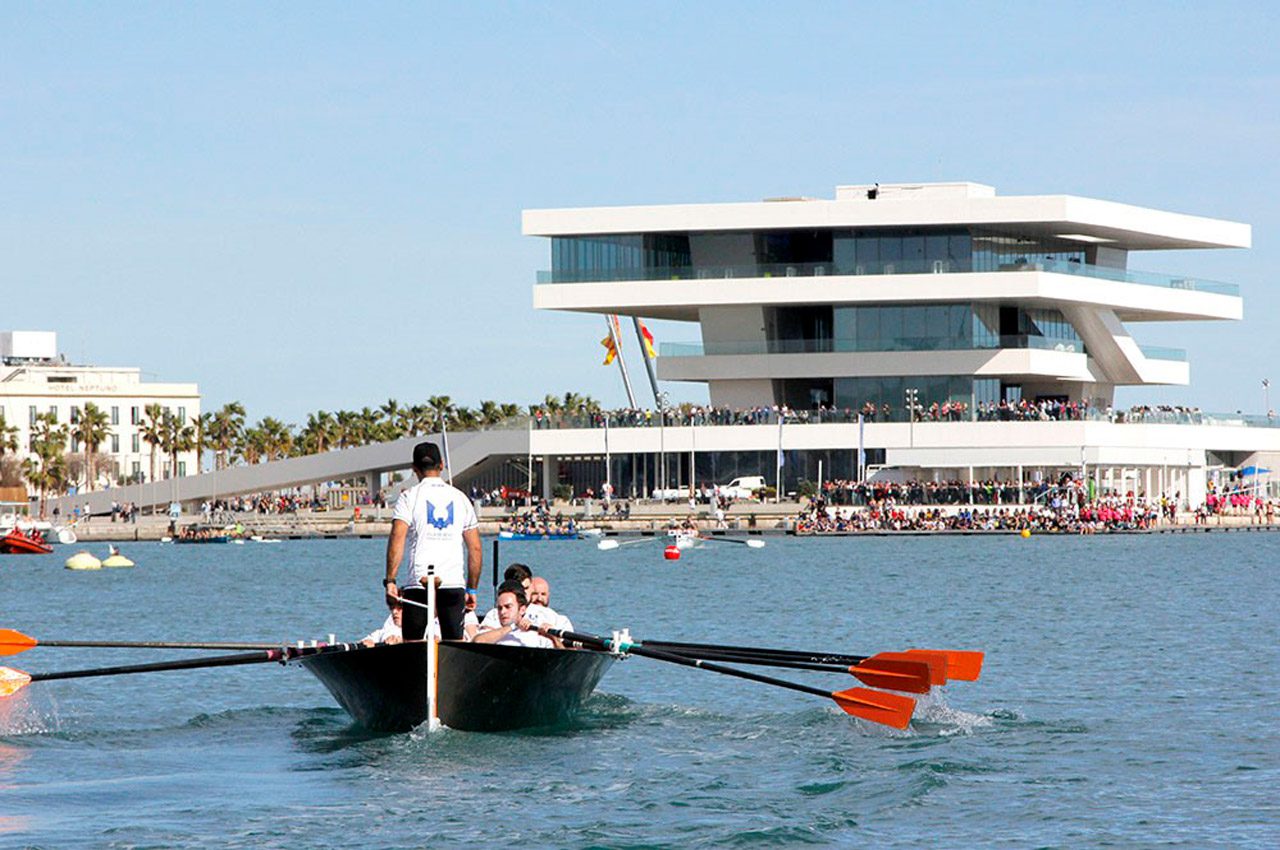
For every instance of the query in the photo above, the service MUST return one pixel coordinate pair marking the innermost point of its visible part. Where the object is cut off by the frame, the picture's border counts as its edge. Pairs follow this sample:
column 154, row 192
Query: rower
column 390, row 630
column 514, row 627
column 540, row 611
column 517, row 573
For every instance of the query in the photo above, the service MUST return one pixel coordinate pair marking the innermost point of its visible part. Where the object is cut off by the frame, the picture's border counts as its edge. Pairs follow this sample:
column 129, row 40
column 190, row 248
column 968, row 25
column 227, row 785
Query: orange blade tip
column 963, row 664
column 890, row 709
column 12, row 642
column 894, row 675
column 12, row 681
column 936, row 661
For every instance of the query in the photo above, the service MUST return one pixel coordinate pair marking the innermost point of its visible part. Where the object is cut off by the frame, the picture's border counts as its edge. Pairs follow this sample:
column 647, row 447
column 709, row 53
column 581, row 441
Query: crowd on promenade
column 1065, row 515
column 1023, row 410
column 954, row 492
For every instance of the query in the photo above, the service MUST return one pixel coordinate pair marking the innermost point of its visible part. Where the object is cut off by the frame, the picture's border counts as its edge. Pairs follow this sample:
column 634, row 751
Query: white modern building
column 35, row 379
column 945, row 293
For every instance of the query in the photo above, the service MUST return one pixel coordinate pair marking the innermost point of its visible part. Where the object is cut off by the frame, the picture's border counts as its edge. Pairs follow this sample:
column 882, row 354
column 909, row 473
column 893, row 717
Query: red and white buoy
column 671, row 553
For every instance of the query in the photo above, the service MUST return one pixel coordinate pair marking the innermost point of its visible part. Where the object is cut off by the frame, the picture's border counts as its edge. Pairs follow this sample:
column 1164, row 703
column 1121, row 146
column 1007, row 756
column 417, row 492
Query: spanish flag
column 611, row 349
column 648, row 342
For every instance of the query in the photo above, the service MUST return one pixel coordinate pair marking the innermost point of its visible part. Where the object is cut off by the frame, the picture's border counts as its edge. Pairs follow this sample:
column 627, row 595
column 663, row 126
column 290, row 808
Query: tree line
column 52, row 468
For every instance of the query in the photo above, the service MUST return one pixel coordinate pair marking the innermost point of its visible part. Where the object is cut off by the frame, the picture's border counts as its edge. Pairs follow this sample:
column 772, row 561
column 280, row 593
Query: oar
column 13, row 642
column 911, row 676
column 609, row 544
column 878, row 707
column 750, row 542
column 12, row 681
column 964, row 665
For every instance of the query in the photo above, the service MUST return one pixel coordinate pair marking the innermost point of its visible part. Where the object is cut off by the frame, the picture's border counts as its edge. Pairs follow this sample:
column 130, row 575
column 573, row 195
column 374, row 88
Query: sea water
column 1129, row 699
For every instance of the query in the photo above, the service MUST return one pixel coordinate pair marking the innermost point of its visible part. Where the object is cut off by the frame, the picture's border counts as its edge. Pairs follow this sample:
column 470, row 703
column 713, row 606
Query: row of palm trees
column 51, row 468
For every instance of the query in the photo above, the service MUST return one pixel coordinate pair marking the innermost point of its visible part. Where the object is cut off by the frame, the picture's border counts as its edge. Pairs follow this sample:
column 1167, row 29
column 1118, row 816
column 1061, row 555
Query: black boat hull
column 483, row 688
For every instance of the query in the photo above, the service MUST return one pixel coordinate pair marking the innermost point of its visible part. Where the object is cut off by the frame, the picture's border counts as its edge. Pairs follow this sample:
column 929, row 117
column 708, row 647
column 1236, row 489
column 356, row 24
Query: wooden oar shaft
column 659, row 655
column 763, row 661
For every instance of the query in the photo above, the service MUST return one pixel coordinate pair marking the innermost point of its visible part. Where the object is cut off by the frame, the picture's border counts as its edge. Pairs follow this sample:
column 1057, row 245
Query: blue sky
column 317, row 206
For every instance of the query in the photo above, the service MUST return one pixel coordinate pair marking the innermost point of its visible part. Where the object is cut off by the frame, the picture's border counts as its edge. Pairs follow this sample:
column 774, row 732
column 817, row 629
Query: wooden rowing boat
column 483, row 687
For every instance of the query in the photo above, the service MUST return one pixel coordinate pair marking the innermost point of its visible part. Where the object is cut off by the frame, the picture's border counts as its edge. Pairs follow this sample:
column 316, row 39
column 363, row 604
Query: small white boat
column 83, row 561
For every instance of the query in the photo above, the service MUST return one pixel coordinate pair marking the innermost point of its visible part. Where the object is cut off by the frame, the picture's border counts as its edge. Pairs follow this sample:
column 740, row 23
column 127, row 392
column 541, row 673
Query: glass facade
column 902, row 251
column 618, row 257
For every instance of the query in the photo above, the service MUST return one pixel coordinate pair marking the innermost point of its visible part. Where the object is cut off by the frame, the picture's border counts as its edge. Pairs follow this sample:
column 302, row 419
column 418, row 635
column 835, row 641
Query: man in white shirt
column 540, row 612
column 390, row 631
column 517, row 573
column 514, row 628
column 440, row 524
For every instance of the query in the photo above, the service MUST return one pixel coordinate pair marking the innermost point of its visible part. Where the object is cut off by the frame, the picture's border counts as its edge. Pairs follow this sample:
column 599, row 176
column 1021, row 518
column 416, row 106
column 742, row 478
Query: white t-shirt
column 437, row 515
column 523, row 638
column 386, row 630
column 541, row 615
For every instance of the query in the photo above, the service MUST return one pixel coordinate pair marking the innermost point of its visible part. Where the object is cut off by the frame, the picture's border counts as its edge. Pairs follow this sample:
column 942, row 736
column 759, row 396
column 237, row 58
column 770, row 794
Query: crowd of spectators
column 1064, row 515
column 1022, row 410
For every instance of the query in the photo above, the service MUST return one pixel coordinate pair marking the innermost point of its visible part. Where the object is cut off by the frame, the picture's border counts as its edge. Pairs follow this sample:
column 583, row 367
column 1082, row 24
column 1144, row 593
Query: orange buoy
column 671, row 553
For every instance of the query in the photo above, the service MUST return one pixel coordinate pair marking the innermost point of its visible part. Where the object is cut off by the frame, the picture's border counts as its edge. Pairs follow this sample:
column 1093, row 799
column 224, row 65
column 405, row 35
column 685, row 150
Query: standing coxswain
column 444, row 536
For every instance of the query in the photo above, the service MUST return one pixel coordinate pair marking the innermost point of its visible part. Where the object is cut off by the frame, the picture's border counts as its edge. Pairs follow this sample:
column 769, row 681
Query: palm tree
column 318, row 434
column 202, row 424
column 92, row 430
column 152, row 431
column 8, row 436
column 276, row 438
column 441, row 407
column 225, row 431
column 176, row 437
column 47, row 470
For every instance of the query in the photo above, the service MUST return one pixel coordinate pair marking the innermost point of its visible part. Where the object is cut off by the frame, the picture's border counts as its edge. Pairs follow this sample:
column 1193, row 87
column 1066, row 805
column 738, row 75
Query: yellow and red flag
column 648, row 342
column 611, row 349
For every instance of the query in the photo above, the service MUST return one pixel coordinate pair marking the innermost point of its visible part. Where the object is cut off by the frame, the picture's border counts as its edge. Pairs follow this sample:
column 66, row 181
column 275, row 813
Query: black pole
column 495, row 571
column 760, row 652
column 184, row 664
column 125, row 644
column 657, row 655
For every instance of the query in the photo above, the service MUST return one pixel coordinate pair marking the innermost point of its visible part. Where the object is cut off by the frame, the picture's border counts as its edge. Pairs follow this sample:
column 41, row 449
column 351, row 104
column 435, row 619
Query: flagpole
column 444, row 441
column 648, row 361
column 615, row 333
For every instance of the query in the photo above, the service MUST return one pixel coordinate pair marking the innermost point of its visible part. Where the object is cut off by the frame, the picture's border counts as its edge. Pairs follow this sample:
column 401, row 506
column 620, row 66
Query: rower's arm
column 395, row 551
column 475, row 556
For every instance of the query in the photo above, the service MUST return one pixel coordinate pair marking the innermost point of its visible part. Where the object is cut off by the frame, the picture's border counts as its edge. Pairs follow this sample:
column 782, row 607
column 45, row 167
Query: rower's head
column 397, row 611
column 427, row 459
column 539, row 591
column 511, row 602
column 520, row 573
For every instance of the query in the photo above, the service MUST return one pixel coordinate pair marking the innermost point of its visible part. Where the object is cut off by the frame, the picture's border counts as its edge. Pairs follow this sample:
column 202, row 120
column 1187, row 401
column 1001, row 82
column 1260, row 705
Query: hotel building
column 947, row 293
column 35, row 379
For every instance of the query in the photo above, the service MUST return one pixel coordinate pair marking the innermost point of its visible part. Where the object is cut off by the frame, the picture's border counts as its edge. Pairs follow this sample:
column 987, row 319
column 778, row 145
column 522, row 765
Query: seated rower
column 514, row 628
column 540, row 613
column 389, row 632
column 470, row 622
column 518, row 573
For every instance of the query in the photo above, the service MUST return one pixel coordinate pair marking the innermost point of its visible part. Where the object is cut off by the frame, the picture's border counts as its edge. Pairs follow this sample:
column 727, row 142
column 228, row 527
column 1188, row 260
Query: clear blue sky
column 315, row 206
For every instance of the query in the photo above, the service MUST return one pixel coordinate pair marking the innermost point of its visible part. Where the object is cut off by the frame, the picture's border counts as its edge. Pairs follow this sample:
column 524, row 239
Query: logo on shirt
column 440, row 523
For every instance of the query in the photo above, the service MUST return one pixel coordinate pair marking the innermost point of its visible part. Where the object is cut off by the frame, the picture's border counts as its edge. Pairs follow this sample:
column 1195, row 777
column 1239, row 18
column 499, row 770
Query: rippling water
column 1129, row 698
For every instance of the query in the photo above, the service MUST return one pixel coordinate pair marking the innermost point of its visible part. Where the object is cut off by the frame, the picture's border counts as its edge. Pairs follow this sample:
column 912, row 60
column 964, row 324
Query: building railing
column 1015, row 412
column 896, row 344
column 1156, row 352
column 885, row 267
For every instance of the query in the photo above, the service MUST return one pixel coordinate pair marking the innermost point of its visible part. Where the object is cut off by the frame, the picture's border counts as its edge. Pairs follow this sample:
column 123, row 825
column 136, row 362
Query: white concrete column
column 548, row 475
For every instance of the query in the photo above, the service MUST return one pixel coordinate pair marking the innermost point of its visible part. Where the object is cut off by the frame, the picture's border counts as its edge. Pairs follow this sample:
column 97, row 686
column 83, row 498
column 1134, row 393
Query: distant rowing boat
column 519, row 535
column 482, row 687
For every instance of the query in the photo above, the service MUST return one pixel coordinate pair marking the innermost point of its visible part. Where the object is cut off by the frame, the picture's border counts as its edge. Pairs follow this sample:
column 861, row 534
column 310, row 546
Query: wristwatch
column 387, row 581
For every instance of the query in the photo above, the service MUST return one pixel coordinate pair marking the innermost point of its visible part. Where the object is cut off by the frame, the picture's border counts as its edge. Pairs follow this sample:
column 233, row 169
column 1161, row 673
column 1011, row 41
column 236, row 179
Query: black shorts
column 450, row 609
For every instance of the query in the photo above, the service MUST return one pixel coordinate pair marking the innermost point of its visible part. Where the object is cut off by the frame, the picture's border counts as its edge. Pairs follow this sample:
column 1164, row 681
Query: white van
column 743, row 488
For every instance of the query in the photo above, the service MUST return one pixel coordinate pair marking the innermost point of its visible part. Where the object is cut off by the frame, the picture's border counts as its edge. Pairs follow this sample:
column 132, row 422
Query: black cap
column 426, row 456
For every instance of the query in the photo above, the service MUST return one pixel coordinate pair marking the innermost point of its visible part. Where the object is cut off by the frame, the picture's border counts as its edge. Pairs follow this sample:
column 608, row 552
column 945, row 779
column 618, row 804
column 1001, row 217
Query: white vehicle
column 745, row 487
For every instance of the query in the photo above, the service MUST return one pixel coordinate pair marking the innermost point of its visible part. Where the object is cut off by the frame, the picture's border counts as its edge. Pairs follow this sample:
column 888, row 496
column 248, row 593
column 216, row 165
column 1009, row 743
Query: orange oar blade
column 13, row 642
column 878, row 707
column 962, row 664
column 892, row 675
column 936, row 661
column 12, row 681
